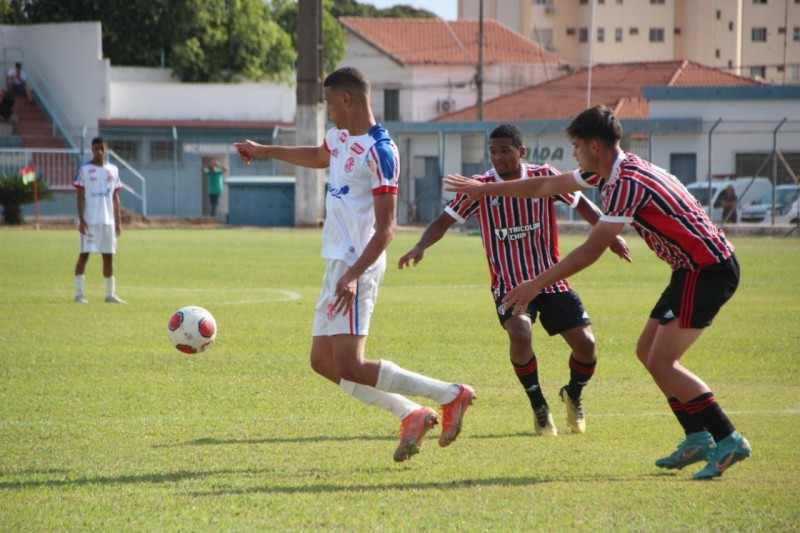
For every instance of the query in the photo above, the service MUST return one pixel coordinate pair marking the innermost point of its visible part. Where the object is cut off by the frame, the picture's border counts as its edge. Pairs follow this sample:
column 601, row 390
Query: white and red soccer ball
column 192, row 329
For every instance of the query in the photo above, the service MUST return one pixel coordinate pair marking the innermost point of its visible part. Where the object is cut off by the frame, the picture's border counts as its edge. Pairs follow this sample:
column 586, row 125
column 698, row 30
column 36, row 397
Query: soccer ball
column 192, row 329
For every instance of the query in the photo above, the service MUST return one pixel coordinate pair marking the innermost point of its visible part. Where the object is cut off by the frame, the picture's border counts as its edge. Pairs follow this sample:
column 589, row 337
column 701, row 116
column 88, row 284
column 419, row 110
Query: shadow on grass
column 166, row 477
column 318, row 438
column 181, row 475
column 524, row 481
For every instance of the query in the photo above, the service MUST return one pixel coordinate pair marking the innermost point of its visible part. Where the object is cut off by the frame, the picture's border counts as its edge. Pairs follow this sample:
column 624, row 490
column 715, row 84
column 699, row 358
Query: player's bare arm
column 303, row 156
column 591, row 214
column 117, row 215
column 600, row 238
column 432, row 234
column 83, row 228
column 538, row 188
column 385, row 224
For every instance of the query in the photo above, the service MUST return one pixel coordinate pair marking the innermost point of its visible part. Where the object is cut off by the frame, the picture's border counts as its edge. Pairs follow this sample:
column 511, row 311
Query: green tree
column 14, row 193
column 352, row 8
column 333, row 41
column 201, row 40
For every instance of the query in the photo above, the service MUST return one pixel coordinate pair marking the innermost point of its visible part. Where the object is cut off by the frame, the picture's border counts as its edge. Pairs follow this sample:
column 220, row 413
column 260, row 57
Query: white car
column 787, row 207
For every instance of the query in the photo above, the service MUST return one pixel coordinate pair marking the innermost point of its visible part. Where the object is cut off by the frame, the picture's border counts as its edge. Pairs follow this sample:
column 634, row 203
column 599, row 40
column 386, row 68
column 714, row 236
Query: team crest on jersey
column 335, row 152
column 348, row 166
column 338, row 193
column 357, row 148
column 343, row 137
column 501, row 233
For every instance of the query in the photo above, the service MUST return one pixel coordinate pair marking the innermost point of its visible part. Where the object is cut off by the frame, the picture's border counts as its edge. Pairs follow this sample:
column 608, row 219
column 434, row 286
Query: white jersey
column 99, row 185
column 361, row 167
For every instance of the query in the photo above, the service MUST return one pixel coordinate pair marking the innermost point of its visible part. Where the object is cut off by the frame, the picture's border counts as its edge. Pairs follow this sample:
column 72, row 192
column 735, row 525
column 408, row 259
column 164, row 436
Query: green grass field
column 105, row 426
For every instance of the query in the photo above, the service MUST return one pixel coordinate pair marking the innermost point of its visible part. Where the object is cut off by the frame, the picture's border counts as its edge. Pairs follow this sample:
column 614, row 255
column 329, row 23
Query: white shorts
column 99, row 239
column 355, row 321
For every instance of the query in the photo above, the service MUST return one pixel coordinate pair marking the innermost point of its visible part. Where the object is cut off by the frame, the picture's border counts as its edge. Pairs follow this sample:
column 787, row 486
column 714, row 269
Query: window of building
column 676, row 31
column 747, row 164
column 618, row 35
column 730, row 26
column 764, row 2
column 126, row 149
column 719, row 14
column 716, row 53
column 162, row 150
column 391, row 104
column 730, row 64
column 601, row 35
column 782, row 30
column 570, row 31
column 795, row 72
column 583, row 35
column 758, row 71
column 758, row 35
column 796, row 34
column 656, row 35
column 633, row 31
column 656, row 1
column 582, row 2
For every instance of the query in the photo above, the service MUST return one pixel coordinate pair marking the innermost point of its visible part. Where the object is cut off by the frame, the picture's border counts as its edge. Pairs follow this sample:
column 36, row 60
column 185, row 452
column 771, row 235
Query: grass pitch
column 105, row 426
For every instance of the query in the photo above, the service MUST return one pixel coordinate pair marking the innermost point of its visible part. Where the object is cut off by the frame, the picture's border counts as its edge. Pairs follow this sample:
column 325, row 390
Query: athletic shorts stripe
column 696, row 296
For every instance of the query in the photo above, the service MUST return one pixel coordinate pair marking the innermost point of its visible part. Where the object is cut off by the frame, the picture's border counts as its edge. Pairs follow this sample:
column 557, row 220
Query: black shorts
column 560, row 311
column 696, row 296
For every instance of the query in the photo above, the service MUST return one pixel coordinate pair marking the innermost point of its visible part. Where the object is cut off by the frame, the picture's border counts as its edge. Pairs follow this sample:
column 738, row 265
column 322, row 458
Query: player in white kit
column 98, row 185
column 361, row 202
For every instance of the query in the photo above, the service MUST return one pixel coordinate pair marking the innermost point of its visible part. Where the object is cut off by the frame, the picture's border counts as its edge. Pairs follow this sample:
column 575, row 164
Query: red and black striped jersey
column 520, row 235
column 669, row 219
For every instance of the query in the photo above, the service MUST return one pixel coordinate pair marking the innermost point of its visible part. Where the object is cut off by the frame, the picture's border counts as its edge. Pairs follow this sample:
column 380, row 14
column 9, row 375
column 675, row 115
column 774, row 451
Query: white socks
column 79, row 281
column 398, row 405
column 392, row 378
column 110, row 286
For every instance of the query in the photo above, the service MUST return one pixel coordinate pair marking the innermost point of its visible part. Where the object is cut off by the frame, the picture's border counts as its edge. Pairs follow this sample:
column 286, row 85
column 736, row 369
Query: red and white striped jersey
column 669, row 219
column 520, row 235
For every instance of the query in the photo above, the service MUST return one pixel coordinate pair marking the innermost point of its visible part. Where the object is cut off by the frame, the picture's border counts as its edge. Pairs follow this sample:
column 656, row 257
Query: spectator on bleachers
column 17, row 82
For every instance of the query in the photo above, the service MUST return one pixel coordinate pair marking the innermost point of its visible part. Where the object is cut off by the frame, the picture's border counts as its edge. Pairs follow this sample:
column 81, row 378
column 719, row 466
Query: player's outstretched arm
column 303, row 156
column 432, row 234
column 538, row 188
column 591, row 214
column 600, row 238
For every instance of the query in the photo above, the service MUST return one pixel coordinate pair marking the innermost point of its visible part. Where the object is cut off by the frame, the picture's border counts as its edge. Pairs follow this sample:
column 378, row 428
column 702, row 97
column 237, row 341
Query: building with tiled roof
column 755, row 38
column 619, row 86
column 421, row 68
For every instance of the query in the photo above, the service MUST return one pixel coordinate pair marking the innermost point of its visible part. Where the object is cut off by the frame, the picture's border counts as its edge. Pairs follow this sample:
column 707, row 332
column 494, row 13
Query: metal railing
column 63, row 125
column 57, row 168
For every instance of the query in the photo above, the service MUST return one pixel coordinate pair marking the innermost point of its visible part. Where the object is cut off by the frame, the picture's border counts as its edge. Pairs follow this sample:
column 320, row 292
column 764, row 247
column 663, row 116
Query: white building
column 756, row 38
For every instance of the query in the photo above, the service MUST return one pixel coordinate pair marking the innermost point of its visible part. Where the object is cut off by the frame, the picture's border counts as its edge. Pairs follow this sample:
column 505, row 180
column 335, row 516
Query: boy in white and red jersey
column 361, row 203
column 99, row 222
column 520, row 238
column 674, row 225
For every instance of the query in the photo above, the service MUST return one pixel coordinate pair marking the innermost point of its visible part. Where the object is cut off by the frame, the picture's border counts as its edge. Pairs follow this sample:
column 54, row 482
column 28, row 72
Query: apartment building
column 755, row 38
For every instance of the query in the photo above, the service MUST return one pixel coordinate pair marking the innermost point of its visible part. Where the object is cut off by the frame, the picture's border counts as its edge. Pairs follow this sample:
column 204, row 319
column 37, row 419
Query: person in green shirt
column 215, row 172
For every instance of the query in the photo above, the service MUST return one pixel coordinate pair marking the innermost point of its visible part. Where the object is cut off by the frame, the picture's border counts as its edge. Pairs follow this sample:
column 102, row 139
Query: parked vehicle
column 787, row 207
column 747, row 191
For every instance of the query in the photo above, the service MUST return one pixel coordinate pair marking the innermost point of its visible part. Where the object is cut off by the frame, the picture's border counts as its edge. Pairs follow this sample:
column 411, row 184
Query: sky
column 446, row 9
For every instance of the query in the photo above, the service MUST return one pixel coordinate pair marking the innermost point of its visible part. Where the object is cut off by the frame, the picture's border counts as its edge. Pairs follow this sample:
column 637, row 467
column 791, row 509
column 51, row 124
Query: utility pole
column 479, row 73
column 309, row 189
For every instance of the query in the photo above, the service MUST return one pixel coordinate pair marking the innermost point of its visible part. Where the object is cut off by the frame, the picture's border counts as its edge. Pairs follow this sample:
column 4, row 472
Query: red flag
column 28, row 173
